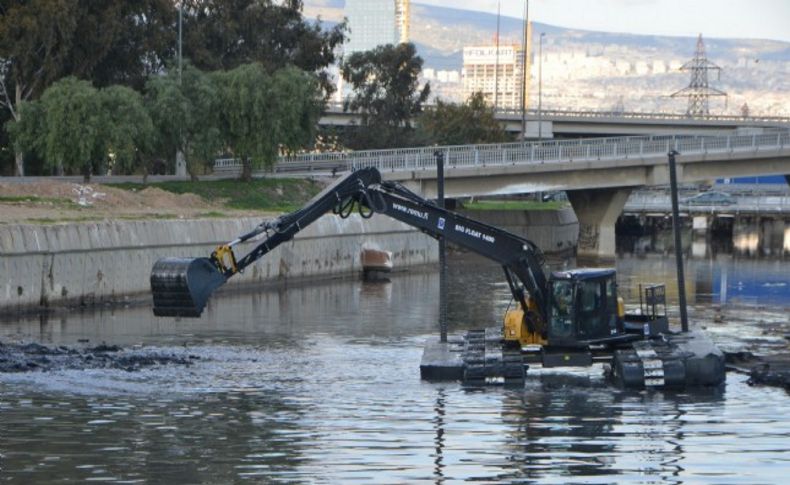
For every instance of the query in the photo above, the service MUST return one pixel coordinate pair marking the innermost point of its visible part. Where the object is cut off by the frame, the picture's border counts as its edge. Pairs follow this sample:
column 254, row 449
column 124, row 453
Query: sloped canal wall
column 92, row 263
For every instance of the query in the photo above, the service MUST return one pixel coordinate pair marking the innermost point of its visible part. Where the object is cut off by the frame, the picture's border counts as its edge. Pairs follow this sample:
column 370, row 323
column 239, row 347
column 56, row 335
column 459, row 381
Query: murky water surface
column 321, row 384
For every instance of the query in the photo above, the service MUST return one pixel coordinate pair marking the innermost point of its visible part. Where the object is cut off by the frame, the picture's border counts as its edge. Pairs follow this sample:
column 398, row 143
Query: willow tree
column 185, row 115
column 28, row 131
column 73, row 126
column 127, row 131
column 264, row 113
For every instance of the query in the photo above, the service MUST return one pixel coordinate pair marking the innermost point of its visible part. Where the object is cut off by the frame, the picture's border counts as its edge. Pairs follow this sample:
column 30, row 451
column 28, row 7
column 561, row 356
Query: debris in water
column 768, row 370
column 28, row 357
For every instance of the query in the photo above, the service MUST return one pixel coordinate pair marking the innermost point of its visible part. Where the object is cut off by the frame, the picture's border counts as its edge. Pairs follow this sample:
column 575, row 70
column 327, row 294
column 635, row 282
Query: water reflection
column 721, row 280
column 163, row 439
column 567, row 432
column 320, row 384
column 746, row 242
column 438, row 423
column 256, row 315
column 715, row 272
column 762, row 237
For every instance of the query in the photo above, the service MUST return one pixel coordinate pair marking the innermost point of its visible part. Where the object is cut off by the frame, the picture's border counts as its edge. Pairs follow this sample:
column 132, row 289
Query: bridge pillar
column 597, row 211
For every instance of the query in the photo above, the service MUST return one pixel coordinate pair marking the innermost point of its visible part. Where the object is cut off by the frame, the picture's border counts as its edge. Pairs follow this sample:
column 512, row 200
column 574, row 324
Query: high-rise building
column 402, row 20
column 376, row 22
column 497, row 73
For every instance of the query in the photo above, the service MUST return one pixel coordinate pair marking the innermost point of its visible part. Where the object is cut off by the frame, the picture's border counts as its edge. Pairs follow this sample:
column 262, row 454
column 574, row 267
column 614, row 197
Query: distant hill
column 589, row 69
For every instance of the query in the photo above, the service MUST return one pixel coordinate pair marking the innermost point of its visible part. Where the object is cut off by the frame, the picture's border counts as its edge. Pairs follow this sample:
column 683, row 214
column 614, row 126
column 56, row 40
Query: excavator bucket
column 182, row 286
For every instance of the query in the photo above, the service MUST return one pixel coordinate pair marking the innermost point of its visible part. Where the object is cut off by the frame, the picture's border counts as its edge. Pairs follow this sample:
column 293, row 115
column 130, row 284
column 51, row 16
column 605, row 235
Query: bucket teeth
column 181, row 286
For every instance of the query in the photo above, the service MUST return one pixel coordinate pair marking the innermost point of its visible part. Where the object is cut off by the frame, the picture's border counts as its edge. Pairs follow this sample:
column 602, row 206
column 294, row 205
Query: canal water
column 320, row 384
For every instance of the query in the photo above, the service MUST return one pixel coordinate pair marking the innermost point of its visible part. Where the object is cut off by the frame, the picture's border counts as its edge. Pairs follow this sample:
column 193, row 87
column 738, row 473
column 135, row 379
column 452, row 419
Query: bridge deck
column 403, row 164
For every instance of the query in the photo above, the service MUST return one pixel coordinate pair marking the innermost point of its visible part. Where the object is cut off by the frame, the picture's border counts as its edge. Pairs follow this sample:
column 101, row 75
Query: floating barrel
column 638, row 369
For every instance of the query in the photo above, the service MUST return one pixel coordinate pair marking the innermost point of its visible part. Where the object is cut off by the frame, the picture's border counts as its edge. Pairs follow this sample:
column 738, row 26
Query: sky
column 754, row 19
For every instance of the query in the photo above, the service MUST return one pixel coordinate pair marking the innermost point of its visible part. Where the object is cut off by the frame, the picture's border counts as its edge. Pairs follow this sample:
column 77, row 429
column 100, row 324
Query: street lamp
column 496, row 65
column 540, row 86
column 180, row 23
column 524, row 70
column 181, row 166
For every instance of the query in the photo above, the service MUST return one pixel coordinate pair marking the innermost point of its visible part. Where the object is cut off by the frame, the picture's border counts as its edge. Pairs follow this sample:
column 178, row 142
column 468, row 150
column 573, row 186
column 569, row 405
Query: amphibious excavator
column 569, row 315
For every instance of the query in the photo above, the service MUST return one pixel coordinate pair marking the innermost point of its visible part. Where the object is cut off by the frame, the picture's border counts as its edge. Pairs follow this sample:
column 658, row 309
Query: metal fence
column 556, row 151
column 337, row 107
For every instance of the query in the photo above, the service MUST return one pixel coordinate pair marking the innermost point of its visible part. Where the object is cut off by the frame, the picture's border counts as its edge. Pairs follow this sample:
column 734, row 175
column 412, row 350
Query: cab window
column 562, row 309
column 591, row 308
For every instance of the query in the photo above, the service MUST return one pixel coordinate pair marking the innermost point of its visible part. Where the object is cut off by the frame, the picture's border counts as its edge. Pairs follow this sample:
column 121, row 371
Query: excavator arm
column 182, row 286
column 520, row 258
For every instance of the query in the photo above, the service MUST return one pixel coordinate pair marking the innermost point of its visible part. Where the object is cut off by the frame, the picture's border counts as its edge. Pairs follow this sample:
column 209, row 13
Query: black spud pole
column 439, row 155
column 673, row 185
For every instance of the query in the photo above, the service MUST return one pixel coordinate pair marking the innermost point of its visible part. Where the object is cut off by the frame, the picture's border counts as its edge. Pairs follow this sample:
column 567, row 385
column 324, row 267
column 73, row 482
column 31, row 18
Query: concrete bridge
column 598, row 174
column 573, row 123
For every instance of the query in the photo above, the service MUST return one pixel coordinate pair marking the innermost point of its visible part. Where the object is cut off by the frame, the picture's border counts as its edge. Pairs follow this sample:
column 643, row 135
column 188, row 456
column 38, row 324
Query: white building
column 497, row 73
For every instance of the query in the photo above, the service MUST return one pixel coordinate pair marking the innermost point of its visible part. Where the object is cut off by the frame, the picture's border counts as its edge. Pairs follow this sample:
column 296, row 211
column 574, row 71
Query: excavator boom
column 181, row 286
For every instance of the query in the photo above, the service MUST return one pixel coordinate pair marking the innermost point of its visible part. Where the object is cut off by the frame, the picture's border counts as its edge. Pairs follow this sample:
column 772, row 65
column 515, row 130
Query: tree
column 28, row 133
column 127, row 130
column 31, row 36
column 462, row 124
column 386, row 94
column 298, row 109
column 42, row 41
column 185, row 116
column 263, row 113
column 225, row 34
column 73, row 126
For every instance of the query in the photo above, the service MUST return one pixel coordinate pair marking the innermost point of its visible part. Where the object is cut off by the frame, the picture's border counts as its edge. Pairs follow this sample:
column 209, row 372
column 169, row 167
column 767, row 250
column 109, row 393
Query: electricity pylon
column 698, row 92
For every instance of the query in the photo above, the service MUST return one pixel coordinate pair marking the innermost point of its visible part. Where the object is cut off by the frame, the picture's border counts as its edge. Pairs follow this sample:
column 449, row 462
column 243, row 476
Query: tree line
column 77, row 128
column 93, row 85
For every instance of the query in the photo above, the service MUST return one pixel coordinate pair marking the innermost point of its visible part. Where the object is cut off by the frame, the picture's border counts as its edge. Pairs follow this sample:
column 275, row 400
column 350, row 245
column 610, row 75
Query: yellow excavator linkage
column 225, row 260
column 517, row 327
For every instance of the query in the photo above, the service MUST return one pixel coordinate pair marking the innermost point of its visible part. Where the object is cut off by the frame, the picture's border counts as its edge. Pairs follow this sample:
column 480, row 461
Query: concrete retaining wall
column 108, row 261
column 552, row 230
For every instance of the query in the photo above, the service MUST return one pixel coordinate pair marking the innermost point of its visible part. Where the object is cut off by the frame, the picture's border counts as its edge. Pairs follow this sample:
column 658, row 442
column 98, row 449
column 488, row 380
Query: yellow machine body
column 517, row 330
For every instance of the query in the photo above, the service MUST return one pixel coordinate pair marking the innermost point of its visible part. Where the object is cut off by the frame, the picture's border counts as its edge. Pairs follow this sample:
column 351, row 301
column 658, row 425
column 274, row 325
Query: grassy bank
column 514, row 205
column 278, row 195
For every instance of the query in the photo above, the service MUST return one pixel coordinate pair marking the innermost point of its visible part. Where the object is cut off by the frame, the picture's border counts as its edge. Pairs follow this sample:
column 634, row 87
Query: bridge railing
column 337, row 107
column 555, row 151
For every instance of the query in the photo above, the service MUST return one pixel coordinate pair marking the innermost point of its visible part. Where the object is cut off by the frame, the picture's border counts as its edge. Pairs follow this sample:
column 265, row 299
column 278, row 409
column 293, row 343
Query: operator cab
column 583, row 307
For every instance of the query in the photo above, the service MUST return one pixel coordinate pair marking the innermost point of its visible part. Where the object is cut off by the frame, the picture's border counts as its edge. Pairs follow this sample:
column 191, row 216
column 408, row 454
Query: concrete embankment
column 90, row 263
column 554, row 231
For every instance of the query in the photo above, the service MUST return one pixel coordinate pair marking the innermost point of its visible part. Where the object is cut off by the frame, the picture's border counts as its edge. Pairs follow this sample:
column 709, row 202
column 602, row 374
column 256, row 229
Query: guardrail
column 337, row 108
column 556, row 151
column 761, row 204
